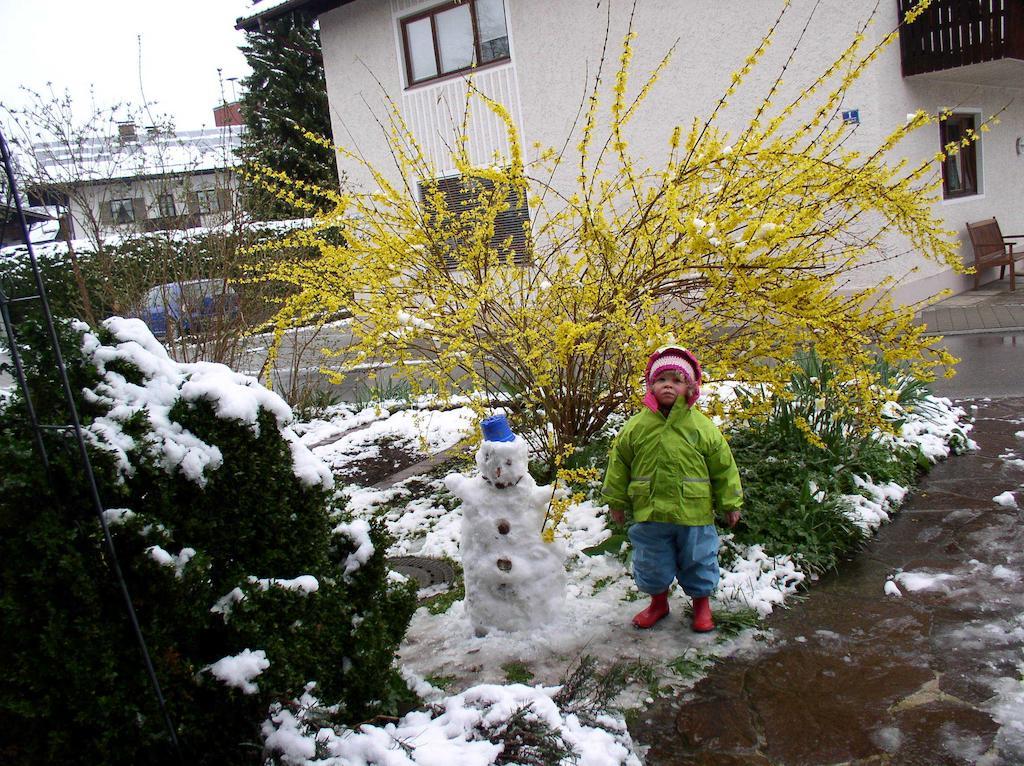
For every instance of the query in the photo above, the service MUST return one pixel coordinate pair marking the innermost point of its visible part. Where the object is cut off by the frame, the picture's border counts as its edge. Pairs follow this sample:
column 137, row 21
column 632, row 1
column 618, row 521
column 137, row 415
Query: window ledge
column 963, row 198
column 424, row 84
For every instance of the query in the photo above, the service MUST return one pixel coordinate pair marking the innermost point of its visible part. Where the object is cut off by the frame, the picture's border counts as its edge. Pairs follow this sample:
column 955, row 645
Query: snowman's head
column 502, row 464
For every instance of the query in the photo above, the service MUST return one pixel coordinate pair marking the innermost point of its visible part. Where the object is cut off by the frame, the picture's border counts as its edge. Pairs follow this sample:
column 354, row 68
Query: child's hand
column 732, row 518
column 618, row 515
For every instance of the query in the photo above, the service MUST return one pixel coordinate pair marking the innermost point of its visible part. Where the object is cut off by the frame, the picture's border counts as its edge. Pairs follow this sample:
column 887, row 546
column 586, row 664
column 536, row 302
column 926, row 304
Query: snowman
column 514, row 580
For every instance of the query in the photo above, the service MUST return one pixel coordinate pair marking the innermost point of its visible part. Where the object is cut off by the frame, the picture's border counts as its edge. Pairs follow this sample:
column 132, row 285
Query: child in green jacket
column 669, row 469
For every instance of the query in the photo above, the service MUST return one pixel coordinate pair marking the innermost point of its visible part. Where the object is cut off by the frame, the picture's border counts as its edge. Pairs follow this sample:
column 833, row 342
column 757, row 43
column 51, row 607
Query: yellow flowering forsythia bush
column 735, row 246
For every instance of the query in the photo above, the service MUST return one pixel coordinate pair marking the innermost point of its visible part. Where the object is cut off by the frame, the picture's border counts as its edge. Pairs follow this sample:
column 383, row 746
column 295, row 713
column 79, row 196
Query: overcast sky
column 78, row 43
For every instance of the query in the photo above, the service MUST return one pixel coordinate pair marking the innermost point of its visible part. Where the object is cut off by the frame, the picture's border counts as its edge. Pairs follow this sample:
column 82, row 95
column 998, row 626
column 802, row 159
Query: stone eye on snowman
column 514, row 580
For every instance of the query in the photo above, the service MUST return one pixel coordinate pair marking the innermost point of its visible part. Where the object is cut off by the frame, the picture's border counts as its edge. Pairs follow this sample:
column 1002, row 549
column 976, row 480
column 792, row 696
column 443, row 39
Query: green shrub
column 784, row 468
column 118, row 274
column 194, row 549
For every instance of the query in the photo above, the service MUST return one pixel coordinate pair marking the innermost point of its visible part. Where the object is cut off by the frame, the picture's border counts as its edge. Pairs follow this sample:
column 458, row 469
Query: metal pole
column 83, row 453
column 19, row 374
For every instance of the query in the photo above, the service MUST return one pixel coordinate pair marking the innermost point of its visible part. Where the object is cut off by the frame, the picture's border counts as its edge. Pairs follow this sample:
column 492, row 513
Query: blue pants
column 665, row 552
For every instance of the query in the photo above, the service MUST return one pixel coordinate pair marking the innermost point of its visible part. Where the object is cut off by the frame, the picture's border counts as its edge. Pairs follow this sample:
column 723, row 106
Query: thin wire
column 82, row 451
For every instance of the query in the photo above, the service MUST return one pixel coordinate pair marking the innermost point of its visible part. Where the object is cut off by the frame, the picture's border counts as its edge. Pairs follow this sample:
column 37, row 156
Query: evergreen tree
column 286, row 89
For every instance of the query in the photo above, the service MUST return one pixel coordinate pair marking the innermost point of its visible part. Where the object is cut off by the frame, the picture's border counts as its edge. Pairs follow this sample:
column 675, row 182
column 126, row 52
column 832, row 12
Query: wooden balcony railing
column 956, row 33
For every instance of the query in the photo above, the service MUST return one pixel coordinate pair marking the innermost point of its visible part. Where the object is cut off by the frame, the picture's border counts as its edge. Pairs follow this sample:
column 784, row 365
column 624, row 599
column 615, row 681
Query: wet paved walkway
column 991, row 308
column 852, row 676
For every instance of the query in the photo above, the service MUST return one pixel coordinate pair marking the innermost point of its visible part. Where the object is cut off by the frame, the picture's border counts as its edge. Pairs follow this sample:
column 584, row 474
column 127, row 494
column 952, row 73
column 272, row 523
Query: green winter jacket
column 677, row 469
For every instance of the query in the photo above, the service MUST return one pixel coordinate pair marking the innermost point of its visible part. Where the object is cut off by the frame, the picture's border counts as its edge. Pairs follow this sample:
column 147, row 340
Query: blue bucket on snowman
column 497, row 429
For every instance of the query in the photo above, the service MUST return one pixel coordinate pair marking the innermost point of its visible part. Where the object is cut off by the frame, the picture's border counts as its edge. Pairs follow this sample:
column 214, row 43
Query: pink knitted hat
column 679, row 359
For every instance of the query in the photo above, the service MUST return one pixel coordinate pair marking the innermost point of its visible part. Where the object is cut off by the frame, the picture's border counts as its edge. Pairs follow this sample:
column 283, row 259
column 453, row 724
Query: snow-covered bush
column 248, row 586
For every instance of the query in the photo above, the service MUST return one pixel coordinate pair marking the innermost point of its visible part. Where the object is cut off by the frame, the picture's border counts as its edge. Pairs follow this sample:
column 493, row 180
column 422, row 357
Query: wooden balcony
column 966, row 35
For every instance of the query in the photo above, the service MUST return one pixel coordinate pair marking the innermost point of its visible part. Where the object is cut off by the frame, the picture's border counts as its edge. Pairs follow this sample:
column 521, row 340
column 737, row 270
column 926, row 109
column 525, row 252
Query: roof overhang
column 311, row 7
column 10, row 215
column 78, row 183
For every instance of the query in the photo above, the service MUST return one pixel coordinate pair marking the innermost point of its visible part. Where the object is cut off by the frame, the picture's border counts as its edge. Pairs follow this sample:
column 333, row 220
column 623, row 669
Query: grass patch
column 378, row 392
column 442, row 602
column 517, row 673
column 601, row 584
column 440, row 682
column 690, row 664
column 731, row 623
column 589, row 691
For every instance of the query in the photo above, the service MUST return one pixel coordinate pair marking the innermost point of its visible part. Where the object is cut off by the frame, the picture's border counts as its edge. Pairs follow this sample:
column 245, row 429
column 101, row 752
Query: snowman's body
column 514, row 580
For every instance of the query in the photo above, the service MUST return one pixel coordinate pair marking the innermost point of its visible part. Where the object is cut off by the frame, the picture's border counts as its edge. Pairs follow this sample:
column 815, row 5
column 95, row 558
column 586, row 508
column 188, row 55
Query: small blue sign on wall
column 852, row 117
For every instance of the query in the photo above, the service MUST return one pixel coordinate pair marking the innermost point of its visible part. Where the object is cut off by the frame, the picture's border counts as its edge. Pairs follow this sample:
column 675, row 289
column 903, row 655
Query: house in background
column 539, row 58
column 139, row 180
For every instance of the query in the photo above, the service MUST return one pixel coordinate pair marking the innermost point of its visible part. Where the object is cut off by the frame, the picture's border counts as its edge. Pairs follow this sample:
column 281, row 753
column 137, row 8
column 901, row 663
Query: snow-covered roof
column 146, row 153
column 32, row 214
column 265, row 10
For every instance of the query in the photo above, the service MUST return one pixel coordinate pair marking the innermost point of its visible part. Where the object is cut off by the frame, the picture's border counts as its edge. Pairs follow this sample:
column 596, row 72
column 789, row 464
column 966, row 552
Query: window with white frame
column 122, row 211
column 207, row 201
column 960, row 168
column 453, row 38
column 510, row 239
column 165, row 205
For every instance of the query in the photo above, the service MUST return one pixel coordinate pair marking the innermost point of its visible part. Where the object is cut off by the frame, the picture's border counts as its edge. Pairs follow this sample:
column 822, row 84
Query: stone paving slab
column 991, row 308
column 852, row 676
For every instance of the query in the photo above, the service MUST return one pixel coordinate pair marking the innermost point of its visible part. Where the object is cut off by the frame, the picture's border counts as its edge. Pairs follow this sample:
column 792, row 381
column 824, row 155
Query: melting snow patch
column 1006, row 499
column 889, row 738
column 1004, row 573
column 922, row 580
column 454, row 730
column 758, row 580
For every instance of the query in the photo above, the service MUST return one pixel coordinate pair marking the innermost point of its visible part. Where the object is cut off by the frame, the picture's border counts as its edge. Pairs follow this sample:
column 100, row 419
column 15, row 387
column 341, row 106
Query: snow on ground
column 442, row 650
column 1005, row 499
column 430, row 430
column 451, row 732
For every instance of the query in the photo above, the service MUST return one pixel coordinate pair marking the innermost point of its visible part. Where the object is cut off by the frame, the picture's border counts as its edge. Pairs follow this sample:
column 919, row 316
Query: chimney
column 126, row 132
column 228, row 114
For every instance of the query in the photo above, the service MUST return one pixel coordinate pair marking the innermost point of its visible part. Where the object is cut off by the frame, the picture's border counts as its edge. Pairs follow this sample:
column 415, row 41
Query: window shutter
column 106, row 214
column 512, row 222
column 66, row 229
column 224, row 200
column 509, row 224
column 139, row 208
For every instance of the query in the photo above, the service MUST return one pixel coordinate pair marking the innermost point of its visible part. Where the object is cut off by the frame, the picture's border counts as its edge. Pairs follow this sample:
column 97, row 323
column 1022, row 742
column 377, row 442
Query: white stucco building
column 139, row 180
column 539, row 57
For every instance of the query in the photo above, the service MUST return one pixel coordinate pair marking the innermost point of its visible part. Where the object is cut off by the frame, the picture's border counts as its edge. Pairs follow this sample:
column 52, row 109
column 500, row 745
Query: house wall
column 95, row 197
column 1000, row 168
column 556, row 49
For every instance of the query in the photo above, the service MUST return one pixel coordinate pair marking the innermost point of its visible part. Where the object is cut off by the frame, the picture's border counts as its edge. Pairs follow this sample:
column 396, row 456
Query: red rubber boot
column 657, row 609
column 702, row 622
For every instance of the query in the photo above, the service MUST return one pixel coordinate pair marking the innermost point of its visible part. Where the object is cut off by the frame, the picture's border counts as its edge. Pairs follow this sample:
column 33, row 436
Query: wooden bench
column 993, row 248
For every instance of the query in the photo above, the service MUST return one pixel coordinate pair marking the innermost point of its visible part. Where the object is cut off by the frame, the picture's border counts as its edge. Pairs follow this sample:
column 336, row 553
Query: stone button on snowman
column 514, row 580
